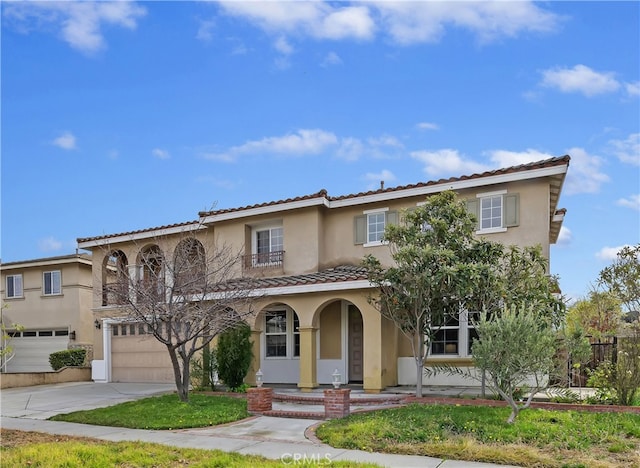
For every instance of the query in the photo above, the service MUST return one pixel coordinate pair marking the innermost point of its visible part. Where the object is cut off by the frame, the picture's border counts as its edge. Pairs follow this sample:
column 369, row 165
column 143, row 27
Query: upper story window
column 51, row 283
column 495, row 211
column 369, row 227
column 14, row 286
column 268, row 246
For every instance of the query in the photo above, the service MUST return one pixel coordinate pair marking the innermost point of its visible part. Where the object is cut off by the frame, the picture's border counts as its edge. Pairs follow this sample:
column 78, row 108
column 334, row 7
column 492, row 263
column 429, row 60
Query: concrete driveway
column 44, row 401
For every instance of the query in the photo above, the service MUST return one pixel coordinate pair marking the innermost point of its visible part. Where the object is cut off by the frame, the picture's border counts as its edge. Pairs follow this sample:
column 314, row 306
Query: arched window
column 115, row 279
column 189, row 268
column 151, row 274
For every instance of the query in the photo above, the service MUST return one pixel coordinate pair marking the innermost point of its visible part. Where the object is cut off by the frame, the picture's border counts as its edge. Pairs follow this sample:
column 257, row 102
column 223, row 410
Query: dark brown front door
column 356, row 347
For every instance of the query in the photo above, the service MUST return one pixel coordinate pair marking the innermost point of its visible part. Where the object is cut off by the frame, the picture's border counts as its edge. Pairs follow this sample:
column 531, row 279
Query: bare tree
column 185, row 296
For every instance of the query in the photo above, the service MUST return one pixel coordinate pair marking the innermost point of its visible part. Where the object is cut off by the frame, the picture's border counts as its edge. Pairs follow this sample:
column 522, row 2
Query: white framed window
column 446, row 340
column 268, row 245
column 282, row 334
column 455, row 336
column 490, row 212
column 51, row 283
column 14, row 286
column 369, row 227
column 495, row 211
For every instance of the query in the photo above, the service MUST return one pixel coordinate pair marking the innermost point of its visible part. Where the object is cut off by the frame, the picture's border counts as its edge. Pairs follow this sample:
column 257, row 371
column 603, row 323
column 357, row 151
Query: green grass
column 93, row 453
column 537, row 438
column 164, row 412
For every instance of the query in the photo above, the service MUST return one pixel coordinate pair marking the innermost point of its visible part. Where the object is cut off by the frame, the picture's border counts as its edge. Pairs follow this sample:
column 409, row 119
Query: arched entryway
column 340, row 342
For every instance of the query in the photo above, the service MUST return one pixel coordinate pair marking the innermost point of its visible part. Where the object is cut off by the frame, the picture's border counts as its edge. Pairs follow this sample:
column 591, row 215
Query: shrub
column 233, row 356
column 203, row 371
column 67, row 358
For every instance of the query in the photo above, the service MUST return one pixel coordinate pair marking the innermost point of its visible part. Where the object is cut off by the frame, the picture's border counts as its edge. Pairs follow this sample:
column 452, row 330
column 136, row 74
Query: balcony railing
column 264, row 260
column 115, row 293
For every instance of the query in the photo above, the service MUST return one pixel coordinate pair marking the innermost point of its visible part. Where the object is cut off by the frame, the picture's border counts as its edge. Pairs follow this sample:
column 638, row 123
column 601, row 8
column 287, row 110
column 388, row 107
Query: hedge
column 67, row 358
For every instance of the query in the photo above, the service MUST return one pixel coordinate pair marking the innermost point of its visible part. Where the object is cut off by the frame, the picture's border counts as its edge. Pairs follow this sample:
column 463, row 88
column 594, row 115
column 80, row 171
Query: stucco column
column 308, row 374
column 255, row 362
column 373, row 363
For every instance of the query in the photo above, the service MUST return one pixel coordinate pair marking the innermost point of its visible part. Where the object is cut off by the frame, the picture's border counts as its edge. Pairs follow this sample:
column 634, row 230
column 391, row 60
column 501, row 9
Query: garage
column 136, row 356
column 33, row 347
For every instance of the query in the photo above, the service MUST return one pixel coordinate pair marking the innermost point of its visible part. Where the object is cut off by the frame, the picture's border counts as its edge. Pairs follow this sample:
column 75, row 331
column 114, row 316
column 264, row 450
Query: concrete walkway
column 27, row 409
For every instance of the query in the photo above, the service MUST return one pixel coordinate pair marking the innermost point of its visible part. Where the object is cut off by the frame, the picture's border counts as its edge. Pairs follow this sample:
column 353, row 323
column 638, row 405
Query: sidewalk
column 28, row 408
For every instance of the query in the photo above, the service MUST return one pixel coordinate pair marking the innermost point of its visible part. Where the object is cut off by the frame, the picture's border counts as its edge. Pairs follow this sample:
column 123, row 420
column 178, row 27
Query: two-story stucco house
column 313, row 316
column 52, row 299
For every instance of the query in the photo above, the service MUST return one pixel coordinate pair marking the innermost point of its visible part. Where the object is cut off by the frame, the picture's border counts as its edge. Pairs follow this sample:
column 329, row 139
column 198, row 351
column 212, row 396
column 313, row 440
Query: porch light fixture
column 259, row 378
column 336, row 379
column 97, row 324
column 72, row 335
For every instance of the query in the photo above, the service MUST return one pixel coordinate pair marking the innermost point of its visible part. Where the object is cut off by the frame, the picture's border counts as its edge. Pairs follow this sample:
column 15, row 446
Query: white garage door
column 137, row 356
column 33, row 347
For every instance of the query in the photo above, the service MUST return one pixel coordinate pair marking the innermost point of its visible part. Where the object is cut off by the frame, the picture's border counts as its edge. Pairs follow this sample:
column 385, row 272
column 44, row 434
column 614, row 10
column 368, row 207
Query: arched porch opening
column 340, row 337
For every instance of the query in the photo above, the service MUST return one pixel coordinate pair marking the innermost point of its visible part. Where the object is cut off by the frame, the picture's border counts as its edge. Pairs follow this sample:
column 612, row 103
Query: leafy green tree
column 622, row 277
column 599, row 315
column 439, row 268
column 515, row 349
column 233, row 355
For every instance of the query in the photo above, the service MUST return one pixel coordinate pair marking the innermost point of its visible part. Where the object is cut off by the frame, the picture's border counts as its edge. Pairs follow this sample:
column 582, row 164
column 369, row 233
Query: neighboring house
column 52, row 299
column 314, row 316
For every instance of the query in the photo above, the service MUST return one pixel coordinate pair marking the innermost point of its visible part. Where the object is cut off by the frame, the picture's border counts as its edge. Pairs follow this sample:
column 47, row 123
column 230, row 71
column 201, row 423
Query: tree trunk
column 182, row 390
column 419, row 363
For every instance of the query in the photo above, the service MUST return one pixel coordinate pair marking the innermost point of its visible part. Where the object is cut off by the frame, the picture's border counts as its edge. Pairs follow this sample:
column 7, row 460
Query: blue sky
column 119, row 116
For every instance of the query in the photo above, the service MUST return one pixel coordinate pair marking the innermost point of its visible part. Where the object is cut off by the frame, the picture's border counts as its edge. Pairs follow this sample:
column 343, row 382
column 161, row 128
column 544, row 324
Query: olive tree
column 622, row 278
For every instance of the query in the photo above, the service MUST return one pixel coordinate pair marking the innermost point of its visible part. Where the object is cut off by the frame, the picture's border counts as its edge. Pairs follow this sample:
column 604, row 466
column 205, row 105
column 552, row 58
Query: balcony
column 263, row 261
column 115, row 293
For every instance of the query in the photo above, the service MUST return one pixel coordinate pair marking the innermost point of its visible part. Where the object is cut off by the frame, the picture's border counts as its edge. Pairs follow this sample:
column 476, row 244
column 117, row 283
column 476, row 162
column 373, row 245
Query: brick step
column 319, row 400
column 294, row 414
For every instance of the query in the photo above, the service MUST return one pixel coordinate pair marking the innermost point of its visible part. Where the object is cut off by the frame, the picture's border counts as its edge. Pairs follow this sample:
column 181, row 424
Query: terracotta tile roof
column 336, row 274
column 558, row 161
column 322, row 194
column 139, row 231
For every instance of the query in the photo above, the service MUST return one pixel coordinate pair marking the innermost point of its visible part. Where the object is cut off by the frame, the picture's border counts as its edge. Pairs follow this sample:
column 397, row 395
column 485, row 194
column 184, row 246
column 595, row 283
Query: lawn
column 540, row 438
column 164, row 412
column 20, row 449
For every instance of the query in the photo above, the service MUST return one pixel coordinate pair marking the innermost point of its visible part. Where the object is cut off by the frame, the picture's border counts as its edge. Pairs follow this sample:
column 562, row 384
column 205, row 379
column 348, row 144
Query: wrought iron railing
column 264, row 260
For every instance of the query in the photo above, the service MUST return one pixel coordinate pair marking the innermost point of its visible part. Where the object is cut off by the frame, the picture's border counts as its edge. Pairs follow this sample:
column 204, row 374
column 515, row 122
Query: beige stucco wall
column 69, row 310
column 330, row 331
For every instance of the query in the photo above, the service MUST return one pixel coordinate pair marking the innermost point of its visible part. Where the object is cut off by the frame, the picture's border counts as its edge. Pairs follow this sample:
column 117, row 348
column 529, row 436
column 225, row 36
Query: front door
column 356, row 347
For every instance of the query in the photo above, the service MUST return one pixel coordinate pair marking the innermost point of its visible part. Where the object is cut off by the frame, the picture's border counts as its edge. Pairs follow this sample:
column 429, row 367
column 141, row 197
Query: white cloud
column 331, row 59
column 316, row 19
column 632, row 201
column 427, row 126
column 633, row 89
column 205, row 30
column 216, row 182
column 65, row 141
column 415, row 22
column 628, row 151
column 78, row 23
column 282, row 46
column 580, row 79
column 564, row 237
column 403, row 22
column 504, row 158
column 49, row 244
column 385, row 176
column 609, row 253
column 351, row 149
column 584, row 175
column 301, row 143
column 447, row 162
column 160, row 153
